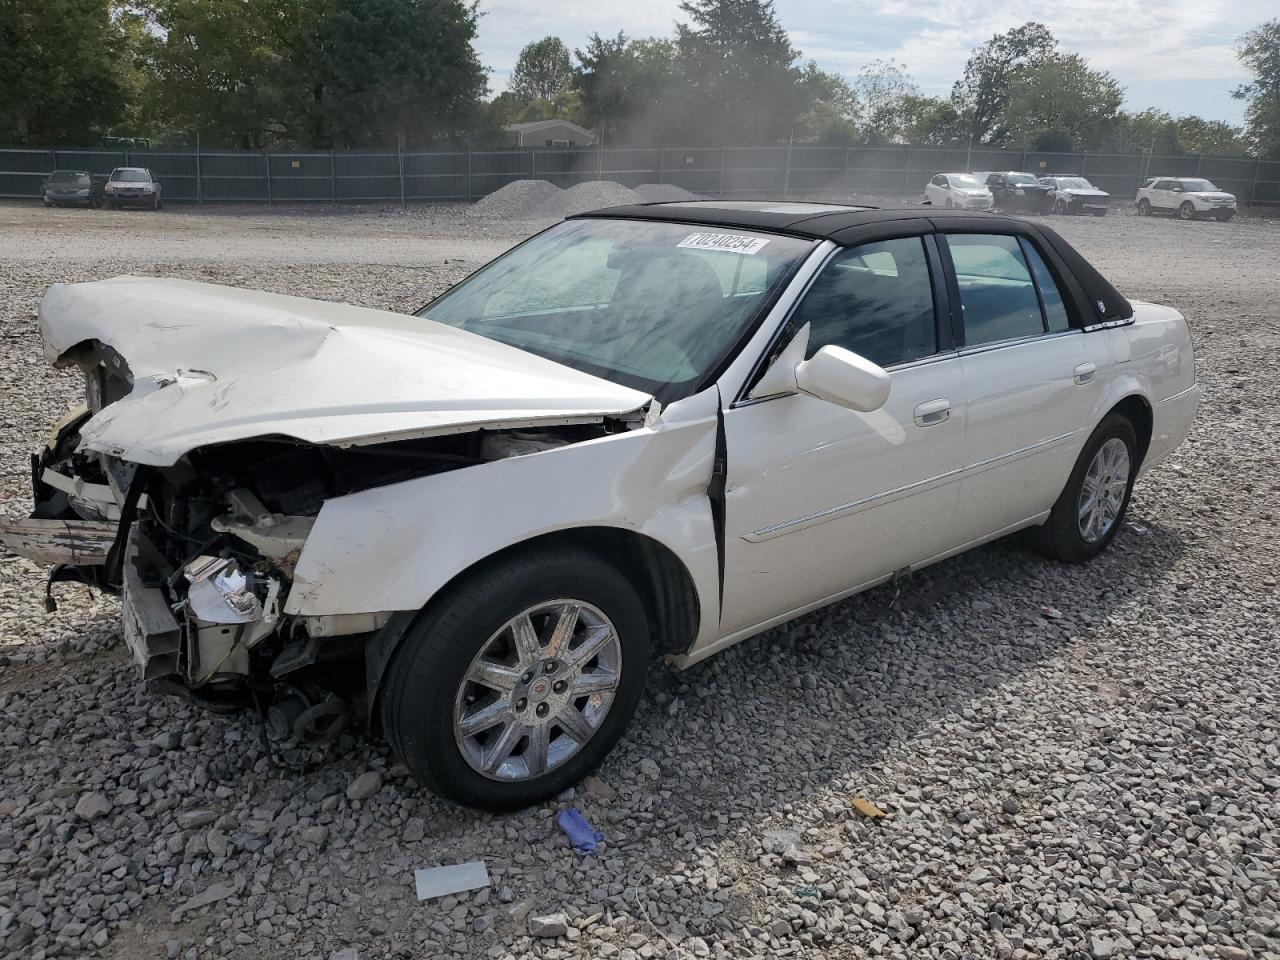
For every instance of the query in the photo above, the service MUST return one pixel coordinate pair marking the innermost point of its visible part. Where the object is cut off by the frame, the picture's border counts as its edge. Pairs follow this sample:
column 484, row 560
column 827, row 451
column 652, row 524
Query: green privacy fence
column 791, row 171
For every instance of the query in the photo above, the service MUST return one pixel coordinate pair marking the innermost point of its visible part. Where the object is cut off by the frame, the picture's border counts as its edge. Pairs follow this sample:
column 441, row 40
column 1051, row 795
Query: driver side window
column 875, row 300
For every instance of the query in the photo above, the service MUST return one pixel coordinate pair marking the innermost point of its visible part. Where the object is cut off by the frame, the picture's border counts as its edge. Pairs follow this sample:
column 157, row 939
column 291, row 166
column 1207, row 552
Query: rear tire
column 431, row 697
column 1187, row 211
column 1062, row 537
column 1144, row 208
column 1060, row 208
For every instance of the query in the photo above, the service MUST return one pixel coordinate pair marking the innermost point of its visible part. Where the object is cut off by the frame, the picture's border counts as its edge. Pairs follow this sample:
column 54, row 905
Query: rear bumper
column 1171, row 422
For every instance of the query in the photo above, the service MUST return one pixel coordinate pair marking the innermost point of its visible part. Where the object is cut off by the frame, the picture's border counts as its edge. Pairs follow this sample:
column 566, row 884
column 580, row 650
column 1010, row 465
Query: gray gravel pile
column 581, row 197
column 1075, row 762
column 516, row 201
column 664, row 193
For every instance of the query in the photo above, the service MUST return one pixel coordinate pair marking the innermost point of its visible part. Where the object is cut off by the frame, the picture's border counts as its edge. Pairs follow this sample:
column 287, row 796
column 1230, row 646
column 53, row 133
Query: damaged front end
column 203, row 552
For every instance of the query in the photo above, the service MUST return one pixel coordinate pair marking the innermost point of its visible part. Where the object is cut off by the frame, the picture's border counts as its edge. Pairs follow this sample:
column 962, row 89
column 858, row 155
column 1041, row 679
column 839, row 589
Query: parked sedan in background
column 1016, row 191
column 653, row 430
column 133, row 185
column 963, row 191
column 1188, row 197
column 72, row 188
column 1076, row 195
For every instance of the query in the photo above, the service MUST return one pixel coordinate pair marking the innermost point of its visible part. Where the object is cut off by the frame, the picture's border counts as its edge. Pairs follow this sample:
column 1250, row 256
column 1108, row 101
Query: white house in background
column 551, row 133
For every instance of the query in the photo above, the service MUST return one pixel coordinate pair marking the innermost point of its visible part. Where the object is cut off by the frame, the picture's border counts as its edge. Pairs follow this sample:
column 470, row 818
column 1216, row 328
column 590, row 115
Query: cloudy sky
column 1177, row 55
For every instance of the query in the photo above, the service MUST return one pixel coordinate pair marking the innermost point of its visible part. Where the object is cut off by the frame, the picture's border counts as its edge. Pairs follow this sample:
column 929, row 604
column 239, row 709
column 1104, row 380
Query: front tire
column 519, row 680
column 1092, row 506
column 1060, row 208
column 1187, row 211
column 1100, row 213
column 1144, row 208
column 1224, row 217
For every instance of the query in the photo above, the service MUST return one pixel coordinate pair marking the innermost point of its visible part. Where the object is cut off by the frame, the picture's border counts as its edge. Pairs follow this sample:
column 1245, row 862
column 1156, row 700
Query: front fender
column 393, row 548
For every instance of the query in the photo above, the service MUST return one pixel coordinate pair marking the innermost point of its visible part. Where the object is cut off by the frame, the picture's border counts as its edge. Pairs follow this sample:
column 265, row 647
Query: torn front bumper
column 77, row 543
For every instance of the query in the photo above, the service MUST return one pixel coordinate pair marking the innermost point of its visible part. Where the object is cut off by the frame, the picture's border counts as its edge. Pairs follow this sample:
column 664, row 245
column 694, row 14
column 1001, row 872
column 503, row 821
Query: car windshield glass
column 1074, row 183
column 1022, row 178
column 67, row 177
column 966, row 181
column 130, row 176
column 1193, row 186
column 645, row 304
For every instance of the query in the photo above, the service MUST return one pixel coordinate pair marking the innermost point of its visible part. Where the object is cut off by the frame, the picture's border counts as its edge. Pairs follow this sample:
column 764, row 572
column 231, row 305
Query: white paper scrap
column 455, row 878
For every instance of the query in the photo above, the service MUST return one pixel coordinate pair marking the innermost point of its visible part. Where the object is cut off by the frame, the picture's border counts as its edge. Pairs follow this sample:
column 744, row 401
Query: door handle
column 1085, row 372
column 932, row 412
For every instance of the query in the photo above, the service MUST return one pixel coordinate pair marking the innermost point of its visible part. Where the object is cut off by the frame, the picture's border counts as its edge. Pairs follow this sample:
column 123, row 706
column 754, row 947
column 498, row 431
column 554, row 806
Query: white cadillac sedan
column 648, row 431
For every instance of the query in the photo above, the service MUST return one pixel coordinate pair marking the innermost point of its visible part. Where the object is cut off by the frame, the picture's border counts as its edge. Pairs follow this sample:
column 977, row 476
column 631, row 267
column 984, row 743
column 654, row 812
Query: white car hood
column 213, row 364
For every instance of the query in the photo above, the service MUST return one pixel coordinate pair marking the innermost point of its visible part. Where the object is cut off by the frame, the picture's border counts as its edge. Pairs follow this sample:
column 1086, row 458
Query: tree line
column 353, row 73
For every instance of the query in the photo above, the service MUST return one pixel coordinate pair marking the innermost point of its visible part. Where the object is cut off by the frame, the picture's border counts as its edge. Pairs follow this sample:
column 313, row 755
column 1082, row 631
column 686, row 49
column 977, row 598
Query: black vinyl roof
column 848, row 224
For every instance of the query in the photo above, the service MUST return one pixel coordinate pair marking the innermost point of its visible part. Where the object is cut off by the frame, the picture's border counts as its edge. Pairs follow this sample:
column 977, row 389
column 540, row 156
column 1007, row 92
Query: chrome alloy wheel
column 538, row 690
column 1103, row 491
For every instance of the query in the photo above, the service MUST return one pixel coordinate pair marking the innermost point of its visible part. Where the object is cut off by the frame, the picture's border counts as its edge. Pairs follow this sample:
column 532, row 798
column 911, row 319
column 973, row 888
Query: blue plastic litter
column 581, row 834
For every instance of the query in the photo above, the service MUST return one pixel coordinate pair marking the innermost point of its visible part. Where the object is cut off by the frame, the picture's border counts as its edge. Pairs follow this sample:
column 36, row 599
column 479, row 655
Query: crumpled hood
column 213, row 364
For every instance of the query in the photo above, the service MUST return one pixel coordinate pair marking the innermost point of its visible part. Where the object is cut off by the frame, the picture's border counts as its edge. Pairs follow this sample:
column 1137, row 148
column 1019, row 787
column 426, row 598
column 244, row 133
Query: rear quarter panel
column 1154, row 358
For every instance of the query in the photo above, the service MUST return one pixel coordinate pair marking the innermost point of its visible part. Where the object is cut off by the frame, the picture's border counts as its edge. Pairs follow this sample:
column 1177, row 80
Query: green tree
column 883, row 87
column 739, row 70
column 400, row 69
column 239, row 73
column 543, row 71
column 1059, row 103
column 832, row 116
column 60, row 70
column 983, row 92
column 626, row 87
column 1259, row 51
column 930, row 120
column 1198, row 135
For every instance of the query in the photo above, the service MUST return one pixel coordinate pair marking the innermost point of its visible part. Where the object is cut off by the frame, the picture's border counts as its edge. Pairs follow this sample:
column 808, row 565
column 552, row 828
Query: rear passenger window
column 997, row 294
column 876, row 300
column 1055, row 309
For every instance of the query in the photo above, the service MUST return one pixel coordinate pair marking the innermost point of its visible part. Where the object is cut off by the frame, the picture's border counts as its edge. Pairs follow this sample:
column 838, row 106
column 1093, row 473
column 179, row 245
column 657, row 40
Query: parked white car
column 1186, row 197
column 652, row 430
column 962, row 191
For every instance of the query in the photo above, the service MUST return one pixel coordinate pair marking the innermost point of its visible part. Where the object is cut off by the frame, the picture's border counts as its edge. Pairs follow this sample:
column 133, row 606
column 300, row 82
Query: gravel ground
column 1074, row 761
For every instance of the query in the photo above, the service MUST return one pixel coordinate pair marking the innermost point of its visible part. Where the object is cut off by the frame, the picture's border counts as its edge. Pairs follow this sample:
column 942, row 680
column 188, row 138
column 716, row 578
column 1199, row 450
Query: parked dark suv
column 1017, row 191
column 72, row 188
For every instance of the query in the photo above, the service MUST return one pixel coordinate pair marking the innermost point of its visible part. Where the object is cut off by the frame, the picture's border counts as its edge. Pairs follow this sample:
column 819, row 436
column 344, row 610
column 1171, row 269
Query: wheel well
column 661, row 579
column 1138, row 412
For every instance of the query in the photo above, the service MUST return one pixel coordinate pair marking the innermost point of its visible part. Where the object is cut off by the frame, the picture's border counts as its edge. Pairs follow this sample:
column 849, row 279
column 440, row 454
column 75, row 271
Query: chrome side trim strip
column 1179, row 395
column 844, row 509
column 856, row 506
column 1108, row 324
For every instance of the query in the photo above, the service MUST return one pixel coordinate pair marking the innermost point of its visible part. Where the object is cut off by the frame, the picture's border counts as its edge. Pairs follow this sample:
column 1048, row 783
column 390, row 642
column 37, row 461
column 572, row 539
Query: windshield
column 645, row 304
column 69, row 177
column 1023, row 178
column 966, row 181
column 1074, row 183
column 130, row 176
column 1197, row 186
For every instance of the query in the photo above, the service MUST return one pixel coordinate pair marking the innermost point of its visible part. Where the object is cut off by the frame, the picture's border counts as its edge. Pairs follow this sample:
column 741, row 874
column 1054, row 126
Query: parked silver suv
column 133, row 185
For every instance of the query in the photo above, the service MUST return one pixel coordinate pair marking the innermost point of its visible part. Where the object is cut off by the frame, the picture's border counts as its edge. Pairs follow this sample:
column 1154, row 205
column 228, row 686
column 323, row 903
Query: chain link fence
column 791, row 172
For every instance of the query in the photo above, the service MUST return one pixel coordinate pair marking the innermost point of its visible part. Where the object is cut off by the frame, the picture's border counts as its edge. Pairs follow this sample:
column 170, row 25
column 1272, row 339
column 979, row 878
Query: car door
column 1033, row 379
column 821, row 499
column 936, row 190
column 1162, row 195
